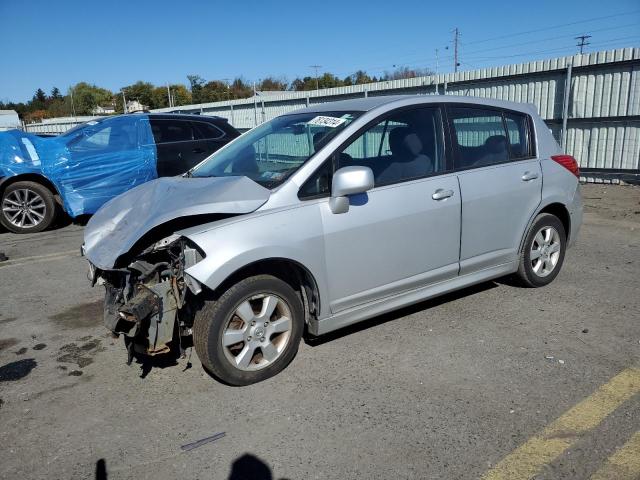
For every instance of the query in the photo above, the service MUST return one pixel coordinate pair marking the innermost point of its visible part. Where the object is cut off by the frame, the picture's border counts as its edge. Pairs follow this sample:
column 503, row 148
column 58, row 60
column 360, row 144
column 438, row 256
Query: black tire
column 527, row 275
column 48, row 211
column 212, row 319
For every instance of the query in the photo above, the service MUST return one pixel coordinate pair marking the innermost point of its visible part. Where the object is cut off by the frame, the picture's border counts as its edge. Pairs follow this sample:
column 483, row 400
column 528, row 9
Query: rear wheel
column 543, row 252
column 27, row 207
column 251, row 332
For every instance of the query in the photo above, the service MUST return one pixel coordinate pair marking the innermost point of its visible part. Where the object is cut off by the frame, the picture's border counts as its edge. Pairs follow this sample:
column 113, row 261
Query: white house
column 136, row 106
column 104, row 110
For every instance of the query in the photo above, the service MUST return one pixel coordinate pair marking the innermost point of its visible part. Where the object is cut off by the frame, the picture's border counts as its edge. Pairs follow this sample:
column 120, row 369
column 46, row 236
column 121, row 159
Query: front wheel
column 251, row 332
column 27, row 207
column 543, row 252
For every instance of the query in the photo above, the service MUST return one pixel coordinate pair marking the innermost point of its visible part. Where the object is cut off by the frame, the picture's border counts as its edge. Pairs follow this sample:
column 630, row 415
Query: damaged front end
column 148, row 301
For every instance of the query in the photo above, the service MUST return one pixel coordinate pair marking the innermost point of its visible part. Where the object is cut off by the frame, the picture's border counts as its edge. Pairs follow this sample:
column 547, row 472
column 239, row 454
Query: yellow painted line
column 527, row 460
column 39, row 258
column 624, row 464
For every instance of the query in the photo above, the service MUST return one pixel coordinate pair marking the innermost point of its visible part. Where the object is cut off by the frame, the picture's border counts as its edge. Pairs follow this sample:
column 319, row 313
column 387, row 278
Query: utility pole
column 583, row 42
column 437, row 63
column 169, row 95
column 316, row 67
column 124, row 103
column 255, row 105
column 73, row 107
column 456, row 35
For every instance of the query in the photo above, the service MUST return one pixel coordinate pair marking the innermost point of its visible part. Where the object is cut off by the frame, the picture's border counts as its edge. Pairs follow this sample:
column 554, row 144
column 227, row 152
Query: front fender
column 291, row 234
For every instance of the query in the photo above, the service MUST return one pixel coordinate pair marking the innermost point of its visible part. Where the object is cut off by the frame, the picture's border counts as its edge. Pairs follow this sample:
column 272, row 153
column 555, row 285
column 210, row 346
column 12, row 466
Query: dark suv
column 90, row 164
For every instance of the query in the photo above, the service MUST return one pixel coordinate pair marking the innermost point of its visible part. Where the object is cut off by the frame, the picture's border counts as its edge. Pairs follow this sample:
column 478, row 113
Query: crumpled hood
column 116, row 227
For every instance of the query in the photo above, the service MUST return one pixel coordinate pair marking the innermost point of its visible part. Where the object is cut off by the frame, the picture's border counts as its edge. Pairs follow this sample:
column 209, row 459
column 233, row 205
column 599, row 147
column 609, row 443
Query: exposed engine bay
column 150, row 301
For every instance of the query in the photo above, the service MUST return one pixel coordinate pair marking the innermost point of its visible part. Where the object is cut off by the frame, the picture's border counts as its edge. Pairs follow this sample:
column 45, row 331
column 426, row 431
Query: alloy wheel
column 257, row 332
column 24, row 208
column 545, row 251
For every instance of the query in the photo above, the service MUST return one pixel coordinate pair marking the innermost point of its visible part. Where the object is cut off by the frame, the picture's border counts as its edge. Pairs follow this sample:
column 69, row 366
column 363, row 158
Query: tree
column 405, row 72
column 272, row 84
column 215, row 91
column 240, row 89
column 55, row 93
column 39, row 100
column 196, row 83
column 86, row 97
column 181, row 95
column 140, row 91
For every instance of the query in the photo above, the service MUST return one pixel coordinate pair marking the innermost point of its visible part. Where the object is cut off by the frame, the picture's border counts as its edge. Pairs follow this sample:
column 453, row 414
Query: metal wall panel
column 602, row 125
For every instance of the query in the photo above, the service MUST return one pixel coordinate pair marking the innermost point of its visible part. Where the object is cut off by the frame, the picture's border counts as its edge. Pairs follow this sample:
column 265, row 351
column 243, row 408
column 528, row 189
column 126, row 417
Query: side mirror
column 349, row 181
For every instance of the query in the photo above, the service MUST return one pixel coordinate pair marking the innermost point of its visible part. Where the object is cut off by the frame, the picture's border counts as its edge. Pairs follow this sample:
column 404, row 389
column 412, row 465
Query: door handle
column 198, row 150
column 441, row 194
column 528, row 176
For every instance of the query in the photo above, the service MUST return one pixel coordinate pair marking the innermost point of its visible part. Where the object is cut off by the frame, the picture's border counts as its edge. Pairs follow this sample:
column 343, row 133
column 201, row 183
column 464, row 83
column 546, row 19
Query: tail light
column 568, row 162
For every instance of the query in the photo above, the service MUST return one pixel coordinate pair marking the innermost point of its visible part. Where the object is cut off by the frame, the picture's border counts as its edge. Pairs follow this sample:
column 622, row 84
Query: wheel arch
column 30, row 177
column 288, row 270
column 556, row 209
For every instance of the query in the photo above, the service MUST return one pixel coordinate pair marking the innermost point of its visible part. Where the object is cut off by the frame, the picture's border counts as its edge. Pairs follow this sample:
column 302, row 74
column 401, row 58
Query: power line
column 557, row 37
column 560, row 25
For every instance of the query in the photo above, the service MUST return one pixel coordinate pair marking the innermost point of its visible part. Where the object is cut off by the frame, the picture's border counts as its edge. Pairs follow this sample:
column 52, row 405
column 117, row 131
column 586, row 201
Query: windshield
column 75, row 129
column 271, row 152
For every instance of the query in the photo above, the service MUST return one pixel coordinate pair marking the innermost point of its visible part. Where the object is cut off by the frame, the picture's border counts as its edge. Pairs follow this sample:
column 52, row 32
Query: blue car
column 81, row 170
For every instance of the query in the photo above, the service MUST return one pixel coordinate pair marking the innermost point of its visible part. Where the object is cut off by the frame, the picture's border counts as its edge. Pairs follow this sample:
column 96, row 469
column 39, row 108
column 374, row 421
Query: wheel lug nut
column 253, row 323
column 262, row 339
column 249, row 338
column 266, row 324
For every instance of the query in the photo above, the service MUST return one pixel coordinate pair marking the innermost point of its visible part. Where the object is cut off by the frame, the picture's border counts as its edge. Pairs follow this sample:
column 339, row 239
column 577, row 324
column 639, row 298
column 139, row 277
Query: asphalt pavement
column 493, row 381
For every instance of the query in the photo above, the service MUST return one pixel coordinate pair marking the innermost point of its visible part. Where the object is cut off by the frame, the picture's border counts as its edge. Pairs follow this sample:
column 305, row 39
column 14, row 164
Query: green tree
column 38, row 101
column 405, row 72
column 86, row 97
column 272, row 84
column 140, row 91
column 196, row 83
column 55, row 93
column 215, row 91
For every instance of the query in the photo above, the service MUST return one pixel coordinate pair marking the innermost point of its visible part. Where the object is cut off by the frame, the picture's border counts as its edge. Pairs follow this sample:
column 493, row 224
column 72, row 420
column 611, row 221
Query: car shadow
column 244, row 467
column 396, row 314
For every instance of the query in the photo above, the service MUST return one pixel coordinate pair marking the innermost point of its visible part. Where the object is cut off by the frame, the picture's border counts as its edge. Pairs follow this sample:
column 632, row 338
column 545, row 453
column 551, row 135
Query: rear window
column 488, row 137
column 206, row 131
column 518, row 135
column 166, row 131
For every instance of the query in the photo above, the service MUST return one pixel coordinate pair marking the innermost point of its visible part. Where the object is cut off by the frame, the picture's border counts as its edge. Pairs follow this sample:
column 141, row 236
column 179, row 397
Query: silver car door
column 405, row 233
column 500, row 182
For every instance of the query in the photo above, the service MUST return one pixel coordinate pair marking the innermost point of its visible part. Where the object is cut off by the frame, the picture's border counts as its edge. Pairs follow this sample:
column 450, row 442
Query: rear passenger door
column 207, row 139
column 500, row 182
column 175, row 143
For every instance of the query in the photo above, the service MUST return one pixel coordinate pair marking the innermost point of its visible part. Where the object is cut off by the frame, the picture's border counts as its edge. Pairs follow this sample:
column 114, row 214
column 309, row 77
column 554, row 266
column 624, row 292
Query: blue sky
column 115, row 43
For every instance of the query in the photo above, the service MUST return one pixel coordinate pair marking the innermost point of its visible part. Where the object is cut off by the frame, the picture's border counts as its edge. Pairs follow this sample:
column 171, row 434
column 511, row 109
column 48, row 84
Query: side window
column 319, row 184
column 404, row 146
column 480, row 137
column 518, row 135
column 112, row 135
column 206, row 131
column 166, row 131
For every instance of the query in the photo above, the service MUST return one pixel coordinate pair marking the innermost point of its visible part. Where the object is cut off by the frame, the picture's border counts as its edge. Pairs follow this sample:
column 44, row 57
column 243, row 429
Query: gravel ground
column 445, row 389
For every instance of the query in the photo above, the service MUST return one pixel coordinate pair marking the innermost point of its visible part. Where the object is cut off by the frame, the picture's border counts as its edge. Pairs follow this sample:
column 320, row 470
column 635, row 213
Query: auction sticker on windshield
column 322, row 121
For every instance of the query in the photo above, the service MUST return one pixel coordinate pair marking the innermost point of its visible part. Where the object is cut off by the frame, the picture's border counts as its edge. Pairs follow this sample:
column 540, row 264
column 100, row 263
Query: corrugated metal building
column 601, row 109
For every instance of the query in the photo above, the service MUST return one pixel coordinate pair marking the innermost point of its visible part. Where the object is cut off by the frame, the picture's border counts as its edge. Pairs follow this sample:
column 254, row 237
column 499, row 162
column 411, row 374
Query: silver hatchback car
column 328, row 216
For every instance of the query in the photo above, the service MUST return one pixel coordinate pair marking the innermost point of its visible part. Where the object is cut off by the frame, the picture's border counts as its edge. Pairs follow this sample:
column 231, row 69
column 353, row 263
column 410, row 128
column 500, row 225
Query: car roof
column 184, row 116
column 369, row 103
